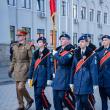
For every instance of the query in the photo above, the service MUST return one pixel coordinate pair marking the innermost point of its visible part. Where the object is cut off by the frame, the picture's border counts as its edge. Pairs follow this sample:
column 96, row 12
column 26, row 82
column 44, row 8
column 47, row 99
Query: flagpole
column 53, row 11
column 54, row 41
column 54, row 35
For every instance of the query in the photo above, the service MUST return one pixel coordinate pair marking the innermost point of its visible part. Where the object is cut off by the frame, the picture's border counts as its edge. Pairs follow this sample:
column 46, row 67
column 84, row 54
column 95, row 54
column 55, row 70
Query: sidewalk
column 8, row 99
column 4, row 79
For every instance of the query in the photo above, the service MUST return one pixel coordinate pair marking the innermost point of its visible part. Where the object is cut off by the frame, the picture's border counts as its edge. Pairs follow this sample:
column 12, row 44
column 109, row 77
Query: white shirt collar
column 83, row 50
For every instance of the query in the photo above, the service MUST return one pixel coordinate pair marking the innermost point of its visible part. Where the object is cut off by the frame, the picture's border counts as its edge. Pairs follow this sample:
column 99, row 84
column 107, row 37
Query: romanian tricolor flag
column 53, row 9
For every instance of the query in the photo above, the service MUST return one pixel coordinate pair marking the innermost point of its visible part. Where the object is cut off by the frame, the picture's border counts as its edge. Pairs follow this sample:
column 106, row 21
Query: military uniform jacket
column 85, row 77
column 42, row 73
column 63, row 71
column 104, row 70
column 21, row 61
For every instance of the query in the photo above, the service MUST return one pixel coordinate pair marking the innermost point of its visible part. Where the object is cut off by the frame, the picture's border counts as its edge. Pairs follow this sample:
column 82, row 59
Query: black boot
column 29, row 104
column 48, row 107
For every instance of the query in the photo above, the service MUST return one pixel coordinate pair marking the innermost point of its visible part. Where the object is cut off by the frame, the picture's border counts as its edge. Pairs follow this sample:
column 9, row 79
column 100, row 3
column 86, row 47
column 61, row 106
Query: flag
column 53, row 9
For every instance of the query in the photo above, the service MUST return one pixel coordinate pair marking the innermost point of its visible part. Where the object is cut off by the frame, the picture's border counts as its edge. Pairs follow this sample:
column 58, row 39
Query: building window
column 41, row 5
column 91, row 15
column 40, row 32
column 105, row 18
column 26, row 4
column 74, row 38
column 83, row 13
column 12, row 33
column 99, row 17
column 11, row 2
column 74, row 11
column 63, row 8
column 28, row 30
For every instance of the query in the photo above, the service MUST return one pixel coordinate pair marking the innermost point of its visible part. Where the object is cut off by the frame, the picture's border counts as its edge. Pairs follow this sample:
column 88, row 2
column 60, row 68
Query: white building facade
column 74, row 17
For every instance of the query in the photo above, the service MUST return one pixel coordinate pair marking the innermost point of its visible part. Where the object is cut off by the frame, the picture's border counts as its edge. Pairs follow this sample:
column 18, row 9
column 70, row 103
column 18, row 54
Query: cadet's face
column 64, row 41
column 105, row 42
column 82, row 43
column 40, row 43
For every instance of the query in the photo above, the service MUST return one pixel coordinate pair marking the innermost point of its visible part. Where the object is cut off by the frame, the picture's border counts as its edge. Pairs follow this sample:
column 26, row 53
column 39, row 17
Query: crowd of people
column 74, row 72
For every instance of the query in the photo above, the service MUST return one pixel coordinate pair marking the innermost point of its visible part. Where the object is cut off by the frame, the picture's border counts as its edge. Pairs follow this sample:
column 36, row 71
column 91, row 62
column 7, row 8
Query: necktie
column 105, row 51
column 82, row 53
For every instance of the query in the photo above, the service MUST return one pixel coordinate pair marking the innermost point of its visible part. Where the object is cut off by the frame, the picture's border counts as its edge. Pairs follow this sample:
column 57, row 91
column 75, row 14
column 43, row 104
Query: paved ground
column 8, row 100
column 4, row 75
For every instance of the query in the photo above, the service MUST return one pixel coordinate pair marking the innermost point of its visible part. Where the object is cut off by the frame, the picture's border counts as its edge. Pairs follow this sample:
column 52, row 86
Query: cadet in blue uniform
column 93, row 48
column 104, row 71
column 62, row 75
column 89, row 44
column 41, row 74
column 82, row 75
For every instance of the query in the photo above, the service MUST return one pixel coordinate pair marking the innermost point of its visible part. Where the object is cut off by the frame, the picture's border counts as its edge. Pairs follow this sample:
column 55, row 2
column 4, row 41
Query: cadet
column 62, row 75
column 104, row 71
column 89, row 44
column 41, row 74
column 82, row 76
column 93, row 48
column 20, row 65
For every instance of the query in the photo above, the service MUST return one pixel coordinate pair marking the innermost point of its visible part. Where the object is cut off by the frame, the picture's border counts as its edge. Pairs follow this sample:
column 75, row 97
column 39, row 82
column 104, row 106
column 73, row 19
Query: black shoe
column 29, row 104
column 48, row 107
column 20, row 108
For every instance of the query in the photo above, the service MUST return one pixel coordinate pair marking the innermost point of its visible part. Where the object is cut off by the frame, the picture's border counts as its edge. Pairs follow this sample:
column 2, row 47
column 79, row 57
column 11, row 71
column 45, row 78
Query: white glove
column 30, row 82
column 71, row 87
column 49, row 82
column 54, row 52
column 95, row 87
column 53, row 75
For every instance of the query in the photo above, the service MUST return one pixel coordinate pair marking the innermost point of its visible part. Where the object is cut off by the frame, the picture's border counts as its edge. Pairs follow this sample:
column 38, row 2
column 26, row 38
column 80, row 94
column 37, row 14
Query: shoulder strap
column 39, row 60
column 104, row 58
column 82, row 62
column 65, row 52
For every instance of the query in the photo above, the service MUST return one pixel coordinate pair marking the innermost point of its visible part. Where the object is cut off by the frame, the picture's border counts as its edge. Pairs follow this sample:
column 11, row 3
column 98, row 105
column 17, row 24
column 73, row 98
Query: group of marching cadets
column 77, row 69
column 77, row 73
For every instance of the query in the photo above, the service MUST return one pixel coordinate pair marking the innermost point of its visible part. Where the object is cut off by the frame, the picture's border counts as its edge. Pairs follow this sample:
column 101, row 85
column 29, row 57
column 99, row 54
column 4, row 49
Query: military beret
column 83, row 37
column 106, row 36
column 88, row 35
column 64, row 35
column 21, row 32
column 42, row 38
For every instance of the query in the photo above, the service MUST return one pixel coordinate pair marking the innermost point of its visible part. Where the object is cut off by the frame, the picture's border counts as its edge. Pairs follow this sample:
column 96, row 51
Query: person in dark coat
column 82, row 75
column 89, row 44
column 69, row 91
column 41, row 74
column 11, row 49
column 93, row 48
column 103, row 57
column 60, row 85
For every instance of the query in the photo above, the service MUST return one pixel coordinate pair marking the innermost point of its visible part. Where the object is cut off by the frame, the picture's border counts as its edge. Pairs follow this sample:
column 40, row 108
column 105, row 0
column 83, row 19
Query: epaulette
column 28, row 46
column 15, row 46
